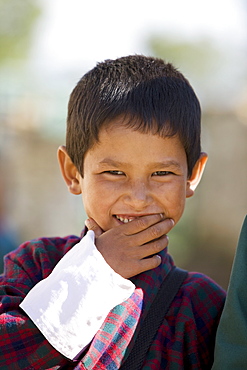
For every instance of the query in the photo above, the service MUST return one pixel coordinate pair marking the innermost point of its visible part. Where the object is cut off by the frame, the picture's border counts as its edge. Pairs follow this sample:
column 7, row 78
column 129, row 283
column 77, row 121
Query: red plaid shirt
column 185, row 339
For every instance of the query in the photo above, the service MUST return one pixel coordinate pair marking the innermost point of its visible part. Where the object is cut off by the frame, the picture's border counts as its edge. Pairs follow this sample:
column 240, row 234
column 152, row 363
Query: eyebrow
column 112, row 162
column 170, row 163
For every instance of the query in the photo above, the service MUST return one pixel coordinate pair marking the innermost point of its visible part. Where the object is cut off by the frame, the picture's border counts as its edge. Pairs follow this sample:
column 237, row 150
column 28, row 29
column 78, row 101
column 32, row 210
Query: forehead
column 118, row 143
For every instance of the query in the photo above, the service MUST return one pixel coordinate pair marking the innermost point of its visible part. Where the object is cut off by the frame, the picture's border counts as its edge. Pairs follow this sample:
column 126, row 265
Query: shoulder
column 204, row 295
column 196, row 310
column 39, row 256
column 199, row 301
column 49, row 244
column 198, row 282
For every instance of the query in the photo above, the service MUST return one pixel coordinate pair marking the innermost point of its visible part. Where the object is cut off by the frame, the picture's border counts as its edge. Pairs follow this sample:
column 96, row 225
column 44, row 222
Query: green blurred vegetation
column 17, row 20
column 216, row 71
column 196, row 58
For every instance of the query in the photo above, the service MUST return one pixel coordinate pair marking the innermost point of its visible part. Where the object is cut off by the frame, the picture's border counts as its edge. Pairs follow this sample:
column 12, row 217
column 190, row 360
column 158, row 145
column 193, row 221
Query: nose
column 138, row 195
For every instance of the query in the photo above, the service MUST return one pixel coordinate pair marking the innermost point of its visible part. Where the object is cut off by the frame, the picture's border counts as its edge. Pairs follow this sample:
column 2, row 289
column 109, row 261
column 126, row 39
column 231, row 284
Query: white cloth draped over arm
column 70, row 305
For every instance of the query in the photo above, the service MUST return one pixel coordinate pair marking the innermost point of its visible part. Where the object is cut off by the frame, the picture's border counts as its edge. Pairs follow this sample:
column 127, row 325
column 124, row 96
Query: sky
column 74, row 31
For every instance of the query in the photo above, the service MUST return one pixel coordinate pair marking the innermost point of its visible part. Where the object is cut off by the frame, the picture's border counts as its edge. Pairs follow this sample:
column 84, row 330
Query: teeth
column 125, row 219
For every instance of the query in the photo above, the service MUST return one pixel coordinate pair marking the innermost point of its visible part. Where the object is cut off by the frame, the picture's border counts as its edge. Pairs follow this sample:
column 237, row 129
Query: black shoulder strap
column 154, row 318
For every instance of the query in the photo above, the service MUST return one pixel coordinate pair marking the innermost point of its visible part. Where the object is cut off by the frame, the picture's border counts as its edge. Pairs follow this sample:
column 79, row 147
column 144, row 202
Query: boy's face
column 130, row 174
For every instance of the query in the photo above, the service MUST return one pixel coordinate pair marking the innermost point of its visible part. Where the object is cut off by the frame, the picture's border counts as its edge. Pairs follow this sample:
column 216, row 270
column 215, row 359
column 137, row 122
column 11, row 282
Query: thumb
column 92, row 225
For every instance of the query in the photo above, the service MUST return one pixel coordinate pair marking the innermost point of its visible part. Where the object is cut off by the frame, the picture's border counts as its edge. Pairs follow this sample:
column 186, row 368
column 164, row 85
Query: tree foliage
column 196, row 59
column 17, row 19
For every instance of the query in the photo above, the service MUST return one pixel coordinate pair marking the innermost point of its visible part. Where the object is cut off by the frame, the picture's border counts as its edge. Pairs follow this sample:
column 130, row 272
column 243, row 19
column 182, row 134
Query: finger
column 150, row 263
column 92, row 225
column 151, row 233
column 144, row 265
column 141, row 223
column 154, row 247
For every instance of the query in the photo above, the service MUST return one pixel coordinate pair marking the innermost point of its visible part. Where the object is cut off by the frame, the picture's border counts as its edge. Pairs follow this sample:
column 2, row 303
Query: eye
column 161, row 173
column 115, row 172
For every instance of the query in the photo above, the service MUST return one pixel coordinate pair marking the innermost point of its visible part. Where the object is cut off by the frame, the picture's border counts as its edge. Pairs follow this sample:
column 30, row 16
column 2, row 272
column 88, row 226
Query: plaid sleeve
column 22, row 345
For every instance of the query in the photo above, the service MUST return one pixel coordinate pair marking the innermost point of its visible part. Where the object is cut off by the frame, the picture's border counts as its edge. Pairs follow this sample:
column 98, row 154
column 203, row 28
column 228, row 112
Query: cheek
column 92, row 202
column 180, row 203
column 173, row 199
column 97, row 202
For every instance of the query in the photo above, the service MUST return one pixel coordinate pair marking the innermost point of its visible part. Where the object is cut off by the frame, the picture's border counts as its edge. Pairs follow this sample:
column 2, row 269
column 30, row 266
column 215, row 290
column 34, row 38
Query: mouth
column 125, row 219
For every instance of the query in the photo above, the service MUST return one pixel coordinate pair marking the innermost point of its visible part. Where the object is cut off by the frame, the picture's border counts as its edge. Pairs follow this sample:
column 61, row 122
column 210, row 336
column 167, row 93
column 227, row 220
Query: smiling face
column 129, row 174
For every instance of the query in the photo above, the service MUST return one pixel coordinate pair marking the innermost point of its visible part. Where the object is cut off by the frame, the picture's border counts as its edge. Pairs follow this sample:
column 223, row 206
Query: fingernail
column 173, row 222
column 87, row 223
column 158, row 258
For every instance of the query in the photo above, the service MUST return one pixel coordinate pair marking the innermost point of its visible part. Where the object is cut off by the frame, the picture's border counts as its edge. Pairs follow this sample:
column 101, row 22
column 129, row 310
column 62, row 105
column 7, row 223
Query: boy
column 133, row 152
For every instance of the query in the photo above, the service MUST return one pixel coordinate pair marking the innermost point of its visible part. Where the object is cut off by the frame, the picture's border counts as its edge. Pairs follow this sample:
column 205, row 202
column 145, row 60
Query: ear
column 69, row 171
column 196, row 175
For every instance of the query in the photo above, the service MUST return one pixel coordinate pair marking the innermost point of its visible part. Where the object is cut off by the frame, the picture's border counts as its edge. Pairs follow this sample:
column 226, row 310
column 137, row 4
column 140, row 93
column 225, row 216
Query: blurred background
column 46, row 46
